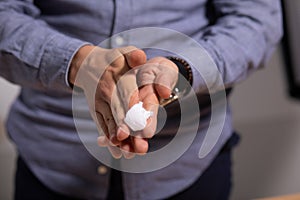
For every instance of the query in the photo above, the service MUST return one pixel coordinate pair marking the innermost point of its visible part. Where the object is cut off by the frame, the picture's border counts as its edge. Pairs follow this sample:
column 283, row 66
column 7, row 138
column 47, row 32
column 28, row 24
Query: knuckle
column 145, row 77
column 114, row 57
column 127, row 49
column 130, row 48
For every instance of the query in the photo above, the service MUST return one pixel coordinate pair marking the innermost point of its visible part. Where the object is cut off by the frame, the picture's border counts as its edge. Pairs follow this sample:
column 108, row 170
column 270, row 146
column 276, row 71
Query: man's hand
column 110, row 86
column 96, row 71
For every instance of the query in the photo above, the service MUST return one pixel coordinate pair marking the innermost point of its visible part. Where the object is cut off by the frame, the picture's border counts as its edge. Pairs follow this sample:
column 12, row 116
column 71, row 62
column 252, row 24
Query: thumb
column 136, row 58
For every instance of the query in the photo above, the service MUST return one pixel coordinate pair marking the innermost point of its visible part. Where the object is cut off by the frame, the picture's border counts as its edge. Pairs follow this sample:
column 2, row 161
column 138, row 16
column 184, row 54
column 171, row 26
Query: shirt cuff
column 56, row 59
column 69, row 64
column 213, row 60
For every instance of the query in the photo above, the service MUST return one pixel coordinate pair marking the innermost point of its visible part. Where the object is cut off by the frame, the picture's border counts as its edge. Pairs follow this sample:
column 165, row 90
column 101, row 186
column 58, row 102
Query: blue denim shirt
column 39, row 38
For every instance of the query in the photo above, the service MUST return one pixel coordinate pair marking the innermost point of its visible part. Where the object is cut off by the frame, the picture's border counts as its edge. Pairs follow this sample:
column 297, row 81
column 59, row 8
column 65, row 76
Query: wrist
column 77, row 60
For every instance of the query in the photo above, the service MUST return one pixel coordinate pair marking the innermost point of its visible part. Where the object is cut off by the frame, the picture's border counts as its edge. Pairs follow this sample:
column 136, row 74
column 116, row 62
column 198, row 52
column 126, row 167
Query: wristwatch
column 184, row 82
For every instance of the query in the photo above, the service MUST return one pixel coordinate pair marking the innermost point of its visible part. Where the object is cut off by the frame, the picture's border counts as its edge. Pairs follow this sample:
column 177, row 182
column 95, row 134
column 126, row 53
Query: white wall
column 267, row 161
column 7, row 151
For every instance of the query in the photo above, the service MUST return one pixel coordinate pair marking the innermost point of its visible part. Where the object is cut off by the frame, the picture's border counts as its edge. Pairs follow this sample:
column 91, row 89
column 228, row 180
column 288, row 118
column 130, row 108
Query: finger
column 165, row 82
column 135, row 58
column 108, row 120
column 161, row 72
column 163, row 91
column 108, row 139
column 117, row 108
column 115, row 151
column 115, row 70
column 146, row 74
column 150, row 103
column 122, row 99
column 101, row 126
column 127, row 149
column 127, row 90
column 104, row 128
column 140, row 145
column 102, row 141
column 128, row 93
column 123, row 132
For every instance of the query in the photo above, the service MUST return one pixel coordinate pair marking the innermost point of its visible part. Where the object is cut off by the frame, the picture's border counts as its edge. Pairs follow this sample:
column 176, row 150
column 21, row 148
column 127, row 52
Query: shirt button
column 102, row 170
column 119, row 40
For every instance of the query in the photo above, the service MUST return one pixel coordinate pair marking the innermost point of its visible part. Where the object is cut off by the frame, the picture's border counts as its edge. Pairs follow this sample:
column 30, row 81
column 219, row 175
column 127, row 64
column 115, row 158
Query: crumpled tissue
column 136, row 117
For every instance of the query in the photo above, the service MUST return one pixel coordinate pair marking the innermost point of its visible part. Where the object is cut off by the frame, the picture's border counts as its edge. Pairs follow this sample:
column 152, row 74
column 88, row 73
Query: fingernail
column 102, row 141
column 124, row 128
column 122, row 133
column 114, row 141
column 127, row 154
column 115, row 152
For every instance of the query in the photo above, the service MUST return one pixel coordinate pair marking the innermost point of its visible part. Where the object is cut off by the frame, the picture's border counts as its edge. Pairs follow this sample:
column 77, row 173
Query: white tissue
column 136, row 117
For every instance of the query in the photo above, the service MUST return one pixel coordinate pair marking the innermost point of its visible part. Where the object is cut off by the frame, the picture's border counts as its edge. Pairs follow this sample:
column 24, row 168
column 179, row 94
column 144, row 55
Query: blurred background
column 267, row 160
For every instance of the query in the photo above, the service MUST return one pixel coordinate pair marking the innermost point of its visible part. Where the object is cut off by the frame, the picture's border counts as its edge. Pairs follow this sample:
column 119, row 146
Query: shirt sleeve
column 241, row 38
column 32, row 54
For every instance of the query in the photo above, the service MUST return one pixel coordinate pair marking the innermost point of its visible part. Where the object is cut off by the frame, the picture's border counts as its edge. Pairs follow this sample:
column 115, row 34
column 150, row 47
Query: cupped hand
column 156, row 80
column 96, row 71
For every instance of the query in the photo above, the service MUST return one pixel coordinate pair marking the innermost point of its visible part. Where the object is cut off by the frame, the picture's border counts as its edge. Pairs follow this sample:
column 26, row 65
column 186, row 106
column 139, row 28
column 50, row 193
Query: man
column 50, row 47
